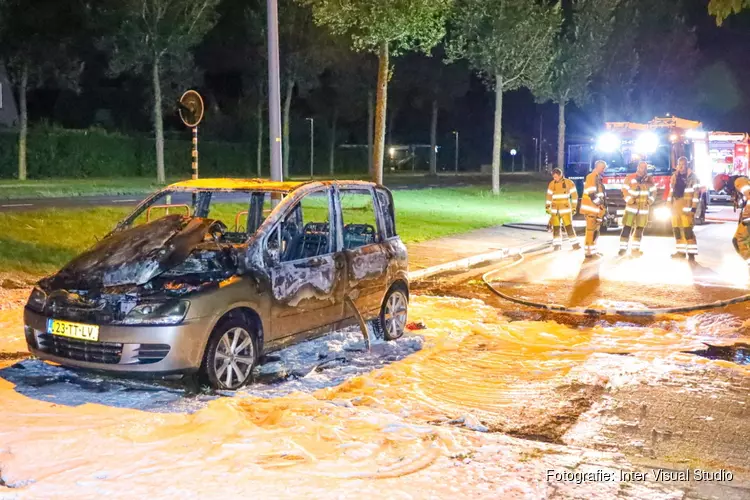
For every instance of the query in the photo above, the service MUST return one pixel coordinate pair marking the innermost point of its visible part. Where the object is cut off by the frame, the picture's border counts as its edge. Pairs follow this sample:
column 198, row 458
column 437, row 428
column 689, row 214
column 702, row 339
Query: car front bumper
column 125, row 349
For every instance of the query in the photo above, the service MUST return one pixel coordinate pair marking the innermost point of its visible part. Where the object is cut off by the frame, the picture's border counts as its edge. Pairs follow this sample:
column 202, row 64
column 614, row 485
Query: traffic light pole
column 195, row 152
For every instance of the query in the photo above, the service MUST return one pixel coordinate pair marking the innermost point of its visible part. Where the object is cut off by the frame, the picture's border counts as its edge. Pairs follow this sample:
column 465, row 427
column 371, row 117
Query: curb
column 469, row 262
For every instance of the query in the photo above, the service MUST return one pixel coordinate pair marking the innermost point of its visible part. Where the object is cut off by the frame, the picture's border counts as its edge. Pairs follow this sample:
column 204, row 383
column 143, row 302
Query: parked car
column 208, row 275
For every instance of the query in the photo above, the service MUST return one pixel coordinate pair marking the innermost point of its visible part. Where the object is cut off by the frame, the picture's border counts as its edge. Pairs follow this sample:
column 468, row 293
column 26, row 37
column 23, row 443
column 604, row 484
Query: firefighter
column 562, row 197
column 639, row 193
column 684, row 196
column 738, row 187
column 593, row 206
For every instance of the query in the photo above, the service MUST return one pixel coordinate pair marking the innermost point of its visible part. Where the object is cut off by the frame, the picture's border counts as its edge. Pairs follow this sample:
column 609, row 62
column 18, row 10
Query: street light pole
column 274, row 91
column 312, row 146
column 456, row 152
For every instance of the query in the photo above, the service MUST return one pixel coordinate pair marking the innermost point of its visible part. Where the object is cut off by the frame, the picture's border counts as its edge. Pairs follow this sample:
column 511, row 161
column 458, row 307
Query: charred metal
column 226, row 254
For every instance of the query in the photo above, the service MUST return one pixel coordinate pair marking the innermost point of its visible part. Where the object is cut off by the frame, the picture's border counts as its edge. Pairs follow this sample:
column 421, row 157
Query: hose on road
column 590, row 311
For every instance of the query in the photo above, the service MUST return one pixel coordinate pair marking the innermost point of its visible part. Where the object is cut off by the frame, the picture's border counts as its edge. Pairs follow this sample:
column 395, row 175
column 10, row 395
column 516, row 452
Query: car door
column 362, row 241
column 308, row 279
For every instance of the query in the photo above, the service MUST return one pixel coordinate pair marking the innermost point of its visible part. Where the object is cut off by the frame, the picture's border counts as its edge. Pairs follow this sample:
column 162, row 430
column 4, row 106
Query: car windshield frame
column 200, row 205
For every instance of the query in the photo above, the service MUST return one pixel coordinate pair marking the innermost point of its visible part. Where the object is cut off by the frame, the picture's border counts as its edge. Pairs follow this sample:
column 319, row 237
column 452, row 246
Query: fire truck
column 660, row 142
column 730, row 154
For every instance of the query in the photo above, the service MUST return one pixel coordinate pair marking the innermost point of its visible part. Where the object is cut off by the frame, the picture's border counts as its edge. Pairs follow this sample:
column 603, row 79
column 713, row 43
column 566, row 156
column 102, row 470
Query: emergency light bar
column 608, row 143
column 647, row 142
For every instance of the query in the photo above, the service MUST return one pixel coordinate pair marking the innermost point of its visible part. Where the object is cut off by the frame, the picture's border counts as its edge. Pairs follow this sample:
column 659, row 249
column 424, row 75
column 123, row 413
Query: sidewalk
column 465, row 245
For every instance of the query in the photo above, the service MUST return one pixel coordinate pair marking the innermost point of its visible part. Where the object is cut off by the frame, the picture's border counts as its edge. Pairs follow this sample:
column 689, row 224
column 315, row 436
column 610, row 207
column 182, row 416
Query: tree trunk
column 561, row 135
column 24, row 122
column 158, row 125
column 332, row 144
column 370, row 134
column 380, row 113
column 285, row 128
column 261, row 124
column 497, row 141
column 433, row 138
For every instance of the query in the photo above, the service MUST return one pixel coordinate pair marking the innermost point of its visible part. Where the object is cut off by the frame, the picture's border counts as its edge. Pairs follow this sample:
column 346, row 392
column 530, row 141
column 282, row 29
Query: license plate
column 73, row 330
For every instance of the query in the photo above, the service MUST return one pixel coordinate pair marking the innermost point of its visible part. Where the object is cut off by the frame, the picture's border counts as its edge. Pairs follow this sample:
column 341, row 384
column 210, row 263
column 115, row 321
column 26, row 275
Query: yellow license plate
column 73, row 330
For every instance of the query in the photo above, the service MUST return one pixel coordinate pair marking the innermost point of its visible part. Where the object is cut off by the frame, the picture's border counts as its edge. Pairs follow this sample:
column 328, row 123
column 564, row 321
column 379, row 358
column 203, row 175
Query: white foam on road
column 306, row 367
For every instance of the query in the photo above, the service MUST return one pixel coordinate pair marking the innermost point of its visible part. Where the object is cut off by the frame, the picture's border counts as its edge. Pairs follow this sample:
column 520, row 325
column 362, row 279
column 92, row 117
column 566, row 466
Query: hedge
column 81, row 154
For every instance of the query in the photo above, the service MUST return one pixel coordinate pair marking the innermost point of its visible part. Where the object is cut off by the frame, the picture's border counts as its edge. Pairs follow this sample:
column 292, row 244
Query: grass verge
column 128, row 186
column 39, row 242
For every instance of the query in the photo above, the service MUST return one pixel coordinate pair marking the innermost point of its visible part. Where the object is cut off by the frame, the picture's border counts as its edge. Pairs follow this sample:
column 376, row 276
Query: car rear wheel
column 231, row 355
column 393, row 314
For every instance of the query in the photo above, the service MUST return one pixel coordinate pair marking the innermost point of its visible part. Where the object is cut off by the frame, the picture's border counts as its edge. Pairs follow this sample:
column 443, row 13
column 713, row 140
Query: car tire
column 231, row 354
column 390, row 325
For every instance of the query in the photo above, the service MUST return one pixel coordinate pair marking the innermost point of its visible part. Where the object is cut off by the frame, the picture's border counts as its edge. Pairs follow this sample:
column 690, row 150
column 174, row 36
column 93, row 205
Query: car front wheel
column 393, row 313
column 231, row 355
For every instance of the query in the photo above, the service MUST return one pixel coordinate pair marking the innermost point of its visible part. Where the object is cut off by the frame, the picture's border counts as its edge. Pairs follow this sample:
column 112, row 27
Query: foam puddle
column 474, row 370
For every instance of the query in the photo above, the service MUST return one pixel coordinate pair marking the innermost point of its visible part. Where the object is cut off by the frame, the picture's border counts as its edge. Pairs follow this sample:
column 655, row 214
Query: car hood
column 134, row 256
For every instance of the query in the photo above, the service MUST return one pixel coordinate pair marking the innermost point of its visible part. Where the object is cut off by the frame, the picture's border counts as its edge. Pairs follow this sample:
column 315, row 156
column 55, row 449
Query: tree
column 306, row 50
column 511, row 44
column 613, row 85
column 438, row 86
column 721, row 9
column 579, row 55
column 346, row 86
column 649, row 63
column 38, row 47
column 157, row 35
column 387, row 27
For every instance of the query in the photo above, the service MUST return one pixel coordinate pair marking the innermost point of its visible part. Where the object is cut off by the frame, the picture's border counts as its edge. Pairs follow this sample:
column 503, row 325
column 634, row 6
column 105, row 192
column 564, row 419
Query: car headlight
column 157, row 313
column 37, row 300
column 662, row 213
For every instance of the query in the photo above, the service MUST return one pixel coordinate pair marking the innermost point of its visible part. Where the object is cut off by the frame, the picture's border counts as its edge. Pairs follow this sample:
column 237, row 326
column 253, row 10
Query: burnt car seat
column 358, row 235
column 312, row 241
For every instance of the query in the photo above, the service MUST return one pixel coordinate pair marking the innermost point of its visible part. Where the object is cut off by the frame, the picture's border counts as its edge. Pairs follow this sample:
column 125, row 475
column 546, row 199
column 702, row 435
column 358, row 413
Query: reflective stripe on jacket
column 562, row 196
column 592, row 202
column 639, row 193
column 742, row 185
column 691, row 196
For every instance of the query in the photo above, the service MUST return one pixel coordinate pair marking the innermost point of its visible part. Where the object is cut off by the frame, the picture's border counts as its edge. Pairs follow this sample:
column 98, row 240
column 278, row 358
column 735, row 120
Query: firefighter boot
column 681, row 244
column 572, row 237
column 636, row 243
column 692, row 244
column 624, row 240
column 557, row 238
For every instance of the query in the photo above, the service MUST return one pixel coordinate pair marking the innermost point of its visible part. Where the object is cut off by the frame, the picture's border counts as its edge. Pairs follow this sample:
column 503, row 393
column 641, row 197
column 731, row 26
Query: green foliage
column 509, row 39
column 402, row 24
column 149, row 30
column 579, row 53
column 722, row 9
column 45, row 37
column 306, row 48
column 649, row 63
column 83, row 154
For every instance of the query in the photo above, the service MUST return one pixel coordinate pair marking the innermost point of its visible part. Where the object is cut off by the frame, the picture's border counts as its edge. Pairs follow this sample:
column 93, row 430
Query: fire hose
column 591, row 311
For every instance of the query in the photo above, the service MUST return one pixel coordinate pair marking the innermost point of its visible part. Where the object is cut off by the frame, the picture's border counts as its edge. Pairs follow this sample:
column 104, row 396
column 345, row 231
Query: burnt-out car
column 209, row 275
